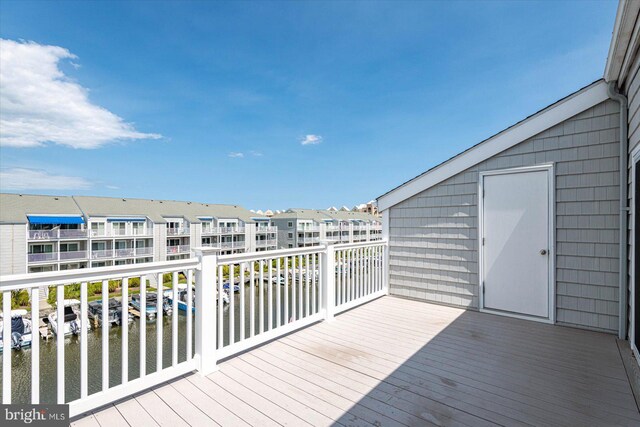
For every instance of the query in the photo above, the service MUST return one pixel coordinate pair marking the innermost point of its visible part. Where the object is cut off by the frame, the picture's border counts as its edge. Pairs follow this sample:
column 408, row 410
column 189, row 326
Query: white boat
column 72, row 322
column 21, row 335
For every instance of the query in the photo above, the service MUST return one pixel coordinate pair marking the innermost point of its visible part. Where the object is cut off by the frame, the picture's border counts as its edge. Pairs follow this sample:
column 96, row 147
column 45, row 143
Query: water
column 21, row 360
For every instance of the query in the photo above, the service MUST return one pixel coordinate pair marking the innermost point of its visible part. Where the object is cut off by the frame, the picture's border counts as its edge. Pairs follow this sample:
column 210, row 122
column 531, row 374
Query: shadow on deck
column 395, row 362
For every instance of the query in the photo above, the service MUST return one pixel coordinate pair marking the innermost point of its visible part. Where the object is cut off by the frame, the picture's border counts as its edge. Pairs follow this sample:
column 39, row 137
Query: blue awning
column 260, row 218
column 205, row 218
column 39, row 219
column 126, row 219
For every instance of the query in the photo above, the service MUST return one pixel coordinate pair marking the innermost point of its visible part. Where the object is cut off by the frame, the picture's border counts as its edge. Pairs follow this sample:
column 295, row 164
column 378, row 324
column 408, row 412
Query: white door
column 516, row 252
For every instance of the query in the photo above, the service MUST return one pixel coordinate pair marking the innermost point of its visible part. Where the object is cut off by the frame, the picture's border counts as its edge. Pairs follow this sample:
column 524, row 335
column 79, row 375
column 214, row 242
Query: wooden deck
column 395, row 362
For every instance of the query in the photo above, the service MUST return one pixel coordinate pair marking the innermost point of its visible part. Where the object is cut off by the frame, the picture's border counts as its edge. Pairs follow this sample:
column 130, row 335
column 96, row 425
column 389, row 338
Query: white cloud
column 236, row 155
column 40, row 104
column 311, row 140
column 255, row 153
column 34, row 179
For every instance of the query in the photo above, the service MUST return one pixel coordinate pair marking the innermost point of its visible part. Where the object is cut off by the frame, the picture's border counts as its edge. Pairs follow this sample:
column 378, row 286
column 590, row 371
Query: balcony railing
column 57, row 234
column 269, row 229
column 102, row 253
column 178, row 231
column 43, row 257
column 308, row 228
column 266, row 242
column 123, row 253
column 73, row 255
column 180, row 249
column 280, row 291
column 121, row 233
column 230, row 245
column 148, row 250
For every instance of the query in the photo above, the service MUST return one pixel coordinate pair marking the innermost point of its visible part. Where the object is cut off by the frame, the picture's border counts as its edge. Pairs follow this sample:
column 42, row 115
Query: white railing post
column 206, row 319
column 385, row 268
column 328, row 281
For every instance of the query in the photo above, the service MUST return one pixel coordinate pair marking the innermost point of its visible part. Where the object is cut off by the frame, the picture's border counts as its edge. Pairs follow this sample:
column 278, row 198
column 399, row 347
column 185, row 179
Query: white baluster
column 6, row 343
column 35, row 346
column 159, row 319
column 124, row 326
column 59, row 341
column 143, row 326
column 189, row 314
column 174, row 320
column 105, row 335
column 84, row 352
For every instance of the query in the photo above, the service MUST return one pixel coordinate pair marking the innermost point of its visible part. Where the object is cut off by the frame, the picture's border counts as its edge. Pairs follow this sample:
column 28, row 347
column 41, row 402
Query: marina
column 21, row 359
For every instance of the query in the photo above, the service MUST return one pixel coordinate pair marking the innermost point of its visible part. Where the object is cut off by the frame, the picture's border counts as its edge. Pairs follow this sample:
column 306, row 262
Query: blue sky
column 388, row 89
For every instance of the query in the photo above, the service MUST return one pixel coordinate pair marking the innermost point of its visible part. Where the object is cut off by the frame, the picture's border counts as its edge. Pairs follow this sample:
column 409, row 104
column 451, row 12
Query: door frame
column 546, row 167
column 631, row 286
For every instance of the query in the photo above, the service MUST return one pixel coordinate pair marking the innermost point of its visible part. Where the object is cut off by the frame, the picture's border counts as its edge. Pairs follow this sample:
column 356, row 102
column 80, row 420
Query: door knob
column 543, row 252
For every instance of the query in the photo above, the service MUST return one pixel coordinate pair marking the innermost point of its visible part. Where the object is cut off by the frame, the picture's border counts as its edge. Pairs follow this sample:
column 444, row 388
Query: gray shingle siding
column 434, row 234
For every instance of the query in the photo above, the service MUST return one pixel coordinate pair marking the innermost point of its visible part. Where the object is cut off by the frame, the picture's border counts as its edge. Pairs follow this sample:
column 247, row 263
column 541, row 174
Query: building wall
column 160, row 242
column 13, row 248
column 434, row 234
column 632, row 92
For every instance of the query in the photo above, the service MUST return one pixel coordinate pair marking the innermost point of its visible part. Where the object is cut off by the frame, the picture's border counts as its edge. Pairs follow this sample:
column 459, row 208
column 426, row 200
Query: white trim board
column 635, row 156
column 563, row 110
column 623, row 41
column 549, row 168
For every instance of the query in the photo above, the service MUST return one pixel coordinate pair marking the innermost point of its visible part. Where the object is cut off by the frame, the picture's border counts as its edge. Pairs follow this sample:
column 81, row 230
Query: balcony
column 123, row 253
column 102, row 253
column 43, row 257
column 308, row 228
column 307, row 240
column 377, row 360
column 57, row 234
column 121, row 233
column 148, row 250
column 231, row 245
column 333, row 228
column 269, row 229
column 182, row 231
column 73, row 255
column 266, row 243
column 180, row 249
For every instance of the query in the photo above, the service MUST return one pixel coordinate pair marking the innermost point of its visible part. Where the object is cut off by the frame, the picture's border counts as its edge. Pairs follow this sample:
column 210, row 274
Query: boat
column 152, row 297
column 115, row 315
column 72, row 322
column 182, row 300
column 225, row 296
column 226, row 286
column 150, row 308
column 20, row 330
column 278, row 280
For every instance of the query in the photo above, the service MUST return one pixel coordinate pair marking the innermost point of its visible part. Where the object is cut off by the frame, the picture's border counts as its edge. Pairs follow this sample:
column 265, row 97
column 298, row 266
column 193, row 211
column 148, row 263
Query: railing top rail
column 94, row 274
column 278, row 253
column 360, row 244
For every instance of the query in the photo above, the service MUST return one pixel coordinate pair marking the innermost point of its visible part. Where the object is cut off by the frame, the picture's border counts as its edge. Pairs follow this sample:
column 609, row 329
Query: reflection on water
column 21, row 360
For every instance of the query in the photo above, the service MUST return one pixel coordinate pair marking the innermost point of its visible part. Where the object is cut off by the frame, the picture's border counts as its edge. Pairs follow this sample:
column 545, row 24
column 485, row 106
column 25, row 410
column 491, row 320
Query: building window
column 290, row 224
column 290, row 235
column 97, row 228
column 290, row 245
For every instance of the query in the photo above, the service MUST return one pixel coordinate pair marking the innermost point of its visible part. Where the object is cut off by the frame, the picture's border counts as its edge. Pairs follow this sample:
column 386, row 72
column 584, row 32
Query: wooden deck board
column 396, row 362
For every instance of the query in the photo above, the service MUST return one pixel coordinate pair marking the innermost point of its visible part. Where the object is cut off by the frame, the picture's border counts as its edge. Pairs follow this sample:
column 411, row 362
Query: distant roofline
column 559, row 111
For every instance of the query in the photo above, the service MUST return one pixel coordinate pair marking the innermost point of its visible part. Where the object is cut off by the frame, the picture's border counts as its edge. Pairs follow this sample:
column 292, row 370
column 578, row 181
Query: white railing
column 147, row 231
column 48, row 256
column 56, row 234
column 277, row 293
column 177, row 231
column 148, row 250
column 268, row 229
column 124, row 252
column 73, row 255
column 306, row 239
column 308, row 228
column 102, row 253
column 180, row 249
column 266, row 242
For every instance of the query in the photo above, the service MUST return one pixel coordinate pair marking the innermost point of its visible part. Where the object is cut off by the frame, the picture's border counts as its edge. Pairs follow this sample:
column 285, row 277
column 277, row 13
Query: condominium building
column 49, row 233
column 309, row 227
